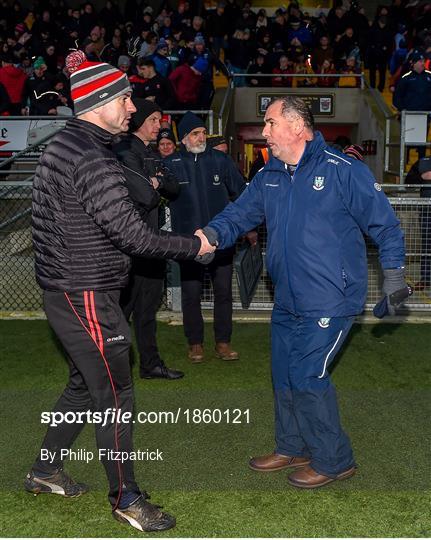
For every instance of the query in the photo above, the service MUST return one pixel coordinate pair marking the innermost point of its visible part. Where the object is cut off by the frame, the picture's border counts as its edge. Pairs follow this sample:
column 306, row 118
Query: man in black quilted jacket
column 85, row 227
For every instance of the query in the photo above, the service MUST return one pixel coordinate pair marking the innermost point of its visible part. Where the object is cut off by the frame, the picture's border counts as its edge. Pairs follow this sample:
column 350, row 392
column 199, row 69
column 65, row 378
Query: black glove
column 212, row 236
column 395, row 290
column 205, row 259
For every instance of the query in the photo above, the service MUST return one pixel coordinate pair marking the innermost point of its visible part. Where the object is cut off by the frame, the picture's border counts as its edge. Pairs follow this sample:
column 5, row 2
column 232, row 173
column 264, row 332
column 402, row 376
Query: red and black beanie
column 93, row 84
column 356, row 151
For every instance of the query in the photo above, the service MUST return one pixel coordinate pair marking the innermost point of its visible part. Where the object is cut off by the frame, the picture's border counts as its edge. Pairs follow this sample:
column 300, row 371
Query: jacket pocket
column 112, row 309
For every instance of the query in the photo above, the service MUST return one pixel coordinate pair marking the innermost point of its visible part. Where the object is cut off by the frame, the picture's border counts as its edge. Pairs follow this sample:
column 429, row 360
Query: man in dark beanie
column 209, row 181
column 147, row 180
column 85, row 227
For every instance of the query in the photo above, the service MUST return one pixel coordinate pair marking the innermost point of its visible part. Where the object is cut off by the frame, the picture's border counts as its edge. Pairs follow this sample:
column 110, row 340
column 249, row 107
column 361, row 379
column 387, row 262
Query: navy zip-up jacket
column 208, row 181
column 316, row 253
column 413, row 92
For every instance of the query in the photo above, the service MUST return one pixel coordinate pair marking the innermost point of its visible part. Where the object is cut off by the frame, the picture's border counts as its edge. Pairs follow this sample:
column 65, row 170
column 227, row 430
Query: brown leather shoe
column 308, row 478
column 196, row 353
column 276, row 462
column 224, row 352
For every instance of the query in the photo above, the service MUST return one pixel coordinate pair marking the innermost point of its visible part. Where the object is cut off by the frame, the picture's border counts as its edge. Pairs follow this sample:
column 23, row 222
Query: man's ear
column 299, row 125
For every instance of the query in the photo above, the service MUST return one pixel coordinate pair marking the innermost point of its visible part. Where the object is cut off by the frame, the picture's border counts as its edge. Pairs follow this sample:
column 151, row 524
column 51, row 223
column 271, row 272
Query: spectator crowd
column 171, row 55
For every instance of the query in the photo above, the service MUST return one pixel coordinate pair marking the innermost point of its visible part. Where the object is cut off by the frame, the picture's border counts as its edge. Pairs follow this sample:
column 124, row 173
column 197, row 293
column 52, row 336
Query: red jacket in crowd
column 282, row 81
column 13, row 79
column 186, row 83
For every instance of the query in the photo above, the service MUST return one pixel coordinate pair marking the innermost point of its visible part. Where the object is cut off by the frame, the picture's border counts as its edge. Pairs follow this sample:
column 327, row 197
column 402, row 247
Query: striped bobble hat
column 356, row 151
column 93, row 84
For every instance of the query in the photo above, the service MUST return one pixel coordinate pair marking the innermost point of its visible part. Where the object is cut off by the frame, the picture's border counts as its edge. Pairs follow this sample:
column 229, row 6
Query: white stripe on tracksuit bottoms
column 307, row 421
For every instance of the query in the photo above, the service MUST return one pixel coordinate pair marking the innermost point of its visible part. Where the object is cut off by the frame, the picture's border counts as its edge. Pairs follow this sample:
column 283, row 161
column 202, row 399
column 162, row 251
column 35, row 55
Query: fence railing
column 20, row 292
column 301, row 76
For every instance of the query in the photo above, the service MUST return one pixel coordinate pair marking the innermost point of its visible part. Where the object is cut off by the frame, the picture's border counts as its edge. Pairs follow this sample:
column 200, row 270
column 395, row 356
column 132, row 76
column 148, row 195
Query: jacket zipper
column 289, row 205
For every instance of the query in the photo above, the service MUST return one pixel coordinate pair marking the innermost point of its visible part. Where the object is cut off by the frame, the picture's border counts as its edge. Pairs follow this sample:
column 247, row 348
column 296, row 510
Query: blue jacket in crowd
column 316, row 252
column 161, row 64
column 208, row 181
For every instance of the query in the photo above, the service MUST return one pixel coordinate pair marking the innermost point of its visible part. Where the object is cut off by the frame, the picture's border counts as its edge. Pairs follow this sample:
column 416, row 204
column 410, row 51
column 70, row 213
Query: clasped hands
column 208, row 238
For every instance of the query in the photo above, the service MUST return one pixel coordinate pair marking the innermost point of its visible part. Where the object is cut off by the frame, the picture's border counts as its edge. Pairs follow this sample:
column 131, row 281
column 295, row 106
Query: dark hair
column 296, row 105
column 7, row 58
column 143, row 61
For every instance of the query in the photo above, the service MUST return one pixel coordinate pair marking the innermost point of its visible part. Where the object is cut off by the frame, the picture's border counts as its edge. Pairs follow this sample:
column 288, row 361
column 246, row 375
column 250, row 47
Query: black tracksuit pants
column 192, row 278
column 142, row 298
column 378, row 65
column 96, row 337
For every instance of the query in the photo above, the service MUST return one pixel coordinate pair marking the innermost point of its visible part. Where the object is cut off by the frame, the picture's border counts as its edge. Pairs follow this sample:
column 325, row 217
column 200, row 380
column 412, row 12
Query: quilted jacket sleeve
column 100, row 188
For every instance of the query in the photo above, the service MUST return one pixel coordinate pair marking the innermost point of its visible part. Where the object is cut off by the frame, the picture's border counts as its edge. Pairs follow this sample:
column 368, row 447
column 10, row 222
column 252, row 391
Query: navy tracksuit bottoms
column 307, row 421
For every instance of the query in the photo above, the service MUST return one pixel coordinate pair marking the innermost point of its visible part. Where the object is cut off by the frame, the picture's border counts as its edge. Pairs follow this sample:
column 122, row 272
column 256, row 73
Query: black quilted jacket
column 84, row 224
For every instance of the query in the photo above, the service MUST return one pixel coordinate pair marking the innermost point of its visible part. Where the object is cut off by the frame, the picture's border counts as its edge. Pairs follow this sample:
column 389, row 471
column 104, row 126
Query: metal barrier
column 18, row 287
column 301, row 76
column 402, row 131
column 414, row 133
column 20, row 292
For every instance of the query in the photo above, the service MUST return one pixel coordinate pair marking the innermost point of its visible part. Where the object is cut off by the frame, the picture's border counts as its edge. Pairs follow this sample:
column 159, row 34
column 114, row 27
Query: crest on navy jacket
column 319, row 183
column 216, row 180
column 324, row 322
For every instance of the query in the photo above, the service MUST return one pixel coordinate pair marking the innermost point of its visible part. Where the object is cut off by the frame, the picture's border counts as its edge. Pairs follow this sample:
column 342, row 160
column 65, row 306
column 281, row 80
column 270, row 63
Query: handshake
column 209, row 242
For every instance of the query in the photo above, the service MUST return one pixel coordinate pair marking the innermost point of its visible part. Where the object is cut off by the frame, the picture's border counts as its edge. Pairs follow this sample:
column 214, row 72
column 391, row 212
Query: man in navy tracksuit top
column 317, row 204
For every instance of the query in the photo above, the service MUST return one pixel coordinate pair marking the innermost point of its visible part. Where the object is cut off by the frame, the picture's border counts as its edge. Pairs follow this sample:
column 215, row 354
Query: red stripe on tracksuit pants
column 85, row 322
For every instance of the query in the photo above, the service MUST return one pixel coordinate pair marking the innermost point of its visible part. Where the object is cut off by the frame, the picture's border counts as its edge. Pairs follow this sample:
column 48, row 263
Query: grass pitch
column 383, row 379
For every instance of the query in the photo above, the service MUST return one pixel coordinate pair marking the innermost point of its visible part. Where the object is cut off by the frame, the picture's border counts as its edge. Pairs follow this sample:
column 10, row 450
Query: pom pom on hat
column 74, row 60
